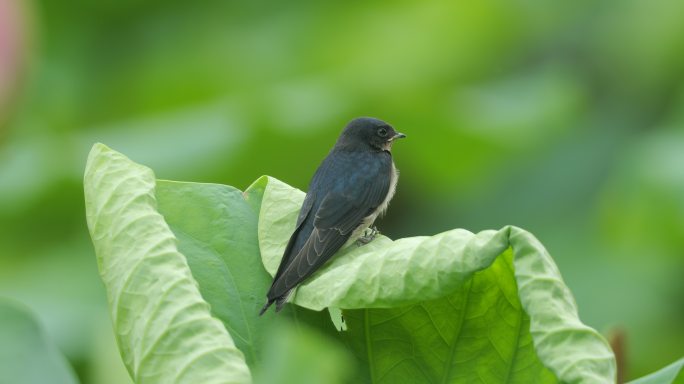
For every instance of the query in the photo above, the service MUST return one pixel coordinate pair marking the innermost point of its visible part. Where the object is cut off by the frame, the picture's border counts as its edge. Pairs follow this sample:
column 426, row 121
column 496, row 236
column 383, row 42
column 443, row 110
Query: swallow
column 352, row 186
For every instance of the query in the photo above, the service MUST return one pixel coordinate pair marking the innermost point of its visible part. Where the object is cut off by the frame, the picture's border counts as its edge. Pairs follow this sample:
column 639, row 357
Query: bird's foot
column 368, row 235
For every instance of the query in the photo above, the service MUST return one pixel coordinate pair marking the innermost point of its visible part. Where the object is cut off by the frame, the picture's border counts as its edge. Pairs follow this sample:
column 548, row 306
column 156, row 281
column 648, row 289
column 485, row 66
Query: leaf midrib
column 369, row 343
column 452, row 351
column 520, row 311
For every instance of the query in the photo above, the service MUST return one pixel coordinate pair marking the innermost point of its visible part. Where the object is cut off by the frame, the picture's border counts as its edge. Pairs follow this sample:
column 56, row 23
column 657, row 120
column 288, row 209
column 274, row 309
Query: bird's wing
column 339, row 214
column 304, row 212
column 288, row 254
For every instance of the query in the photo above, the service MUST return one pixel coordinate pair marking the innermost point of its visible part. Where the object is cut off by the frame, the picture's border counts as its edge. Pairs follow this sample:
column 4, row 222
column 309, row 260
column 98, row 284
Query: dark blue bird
column 352, row 186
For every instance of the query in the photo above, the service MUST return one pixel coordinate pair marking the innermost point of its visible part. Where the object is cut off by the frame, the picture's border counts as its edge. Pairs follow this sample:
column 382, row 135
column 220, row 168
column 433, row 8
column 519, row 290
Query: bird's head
column 365, row 133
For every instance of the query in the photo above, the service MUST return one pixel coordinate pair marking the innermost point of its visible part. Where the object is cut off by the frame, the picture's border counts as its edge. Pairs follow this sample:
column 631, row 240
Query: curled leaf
column 163, row 326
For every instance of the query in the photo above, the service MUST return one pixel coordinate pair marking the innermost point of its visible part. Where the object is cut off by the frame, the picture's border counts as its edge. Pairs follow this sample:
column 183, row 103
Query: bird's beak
column 398, row 136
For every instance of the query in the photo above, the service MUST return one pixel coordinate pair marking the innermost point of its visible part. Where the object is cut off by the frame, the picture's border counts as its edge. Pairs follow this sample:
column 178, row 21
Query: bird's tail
column 269, row 302
column 279, row 302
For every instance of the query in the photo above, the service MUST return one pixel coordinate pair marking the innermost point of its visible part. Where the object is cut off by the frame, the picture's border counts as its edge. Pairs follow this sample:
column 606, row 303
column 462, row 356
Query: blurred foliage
column 673, row 373
column 304, row 356
column 562, row 118
column 27, row 356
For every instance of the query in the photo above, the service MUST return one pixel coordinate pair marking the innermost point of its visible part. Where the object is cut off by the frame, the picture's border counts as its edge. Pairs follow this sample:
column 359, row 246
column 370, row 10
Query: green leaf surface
column 476, row 334
column 458, row 309
column 217, row 232
column 672, row 374
column 163, row 326
column 26, row 355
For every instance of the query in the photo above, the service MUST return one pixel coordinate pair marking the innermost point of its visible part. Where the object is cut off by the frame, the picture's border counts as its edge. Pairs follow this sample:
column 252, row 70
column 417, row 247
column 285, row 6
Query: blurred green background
column 564, row 118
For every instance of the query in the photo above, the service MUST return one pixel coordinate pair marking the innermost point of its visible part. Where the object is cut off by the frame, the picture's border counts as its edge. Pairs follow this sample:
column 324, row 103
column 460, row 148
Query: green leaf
column 459, row 309
column 217, row 232
column 455, row 307
column 673, row 373
column 162, row 324
column 26, row 355
column 475, row 334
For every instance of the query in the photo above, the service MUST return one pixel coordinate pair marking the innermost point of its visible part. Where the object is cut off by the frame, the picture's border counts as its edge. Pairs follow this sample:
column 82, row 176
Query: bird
column 352, row 186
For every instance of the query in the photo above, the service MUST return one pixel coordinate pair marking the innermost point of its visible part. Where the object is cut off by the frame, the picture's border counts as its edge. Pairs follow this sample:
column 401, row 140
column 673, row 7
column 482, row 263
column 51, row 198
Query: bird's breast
column 370, row 219
column 394, row 177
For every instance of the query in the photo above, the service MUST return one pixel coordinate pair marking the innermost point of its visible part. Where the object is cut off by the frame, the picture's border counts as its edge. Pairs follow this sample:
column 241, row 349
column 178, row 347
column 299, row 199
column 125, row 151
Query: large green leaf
column 455, row 307
column 26, row 355
column 164, row 328
column 460, row 307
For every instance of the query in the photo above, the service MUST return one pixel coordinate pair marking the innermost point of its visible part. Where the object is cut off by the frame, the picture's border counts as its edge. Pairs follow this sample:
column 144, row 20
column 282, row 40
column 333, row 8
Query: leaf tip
column 259, row 183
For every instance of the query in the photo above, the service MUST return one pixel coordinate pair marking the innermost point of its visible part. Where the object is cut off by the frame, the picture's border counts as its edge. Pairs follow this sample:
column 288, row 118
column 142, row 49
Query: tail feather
column 279, row 302
column 269, row 302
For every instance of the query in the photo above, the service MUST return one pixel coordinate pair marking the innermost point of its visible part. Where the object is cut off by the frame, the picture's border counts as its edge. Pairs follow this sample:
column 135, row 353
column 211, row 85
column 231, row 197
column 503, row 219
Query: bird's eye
column 382, row 132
